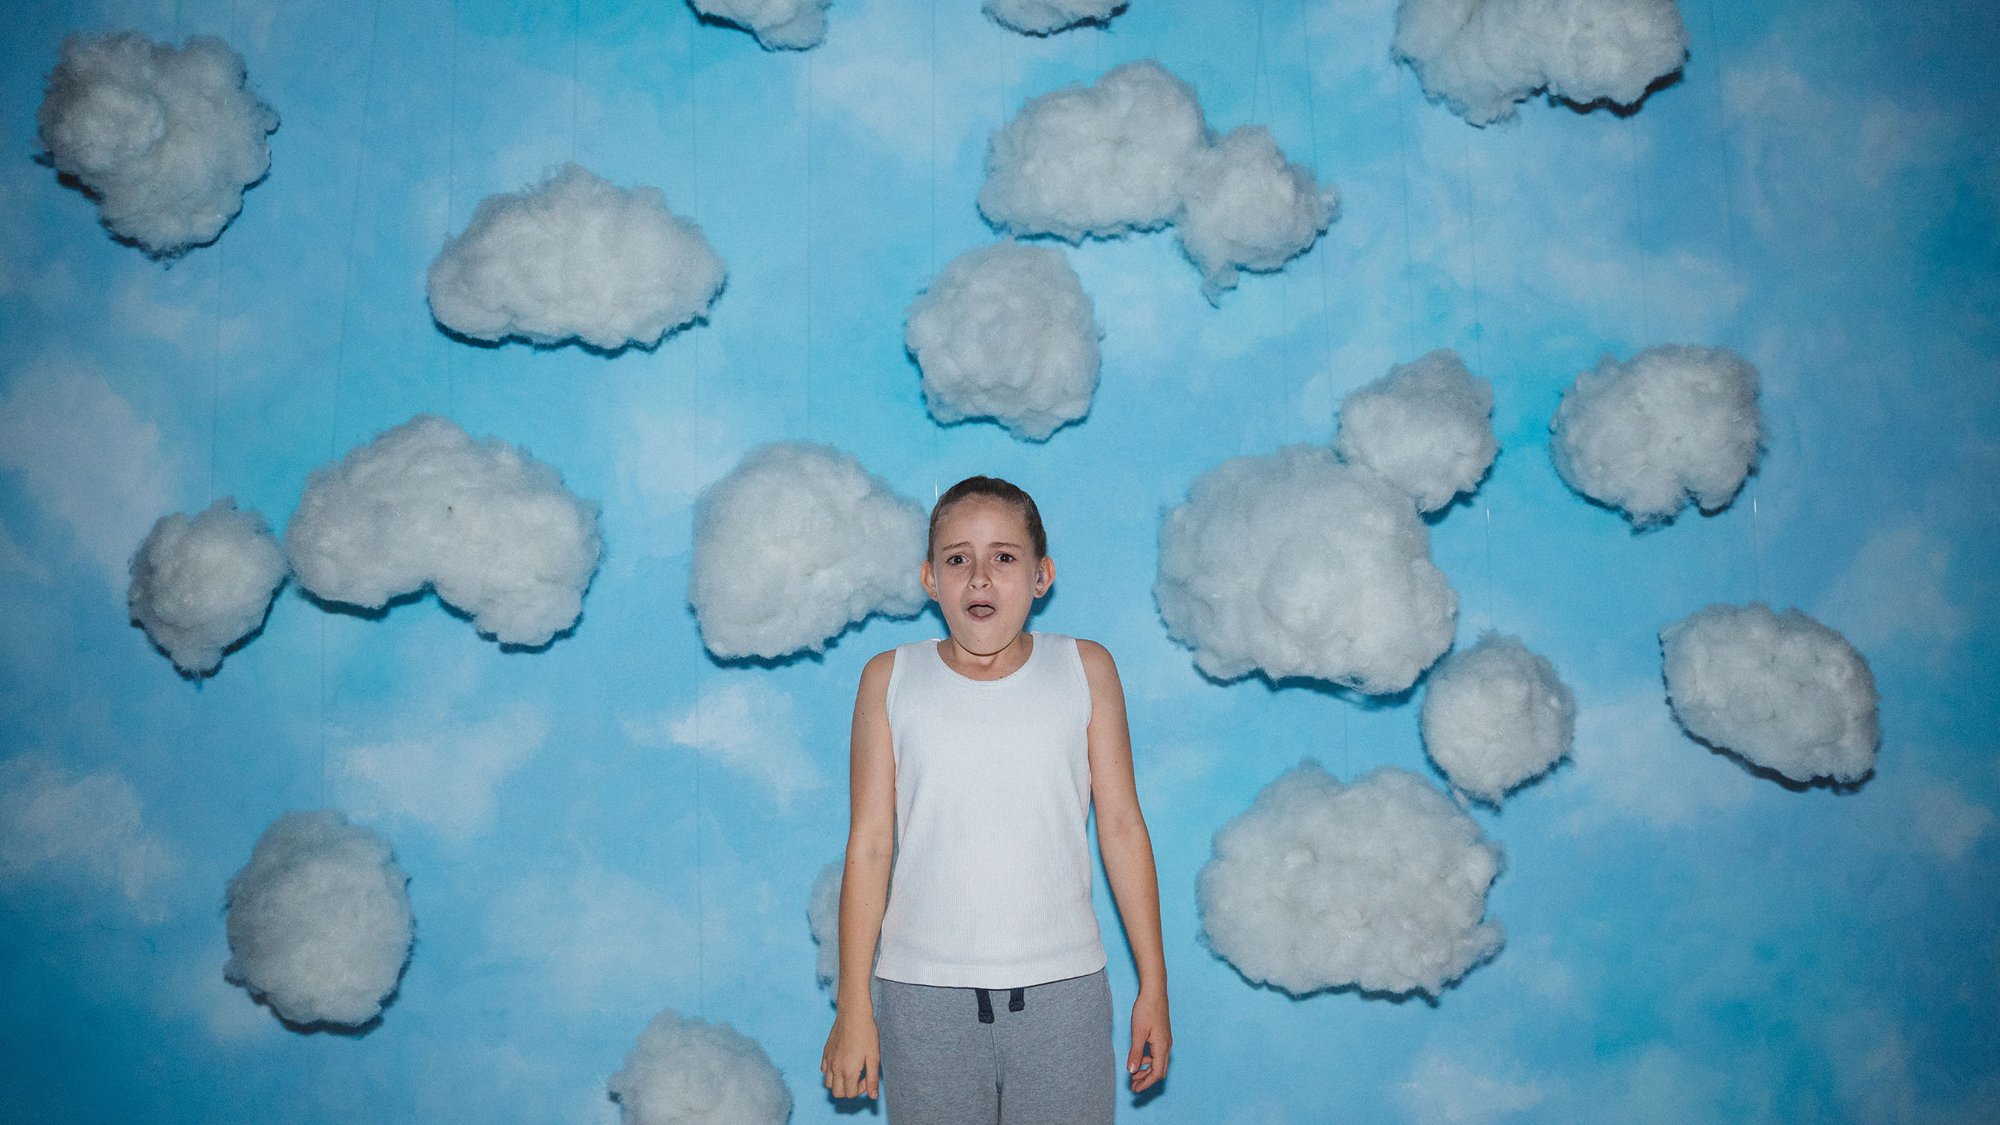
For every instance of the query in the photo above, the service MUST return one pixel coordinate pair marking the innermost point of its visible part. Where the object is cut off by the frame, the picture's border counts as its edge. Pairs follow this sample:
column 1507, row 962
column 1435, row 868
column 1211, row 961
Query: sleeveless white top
column 991, row 883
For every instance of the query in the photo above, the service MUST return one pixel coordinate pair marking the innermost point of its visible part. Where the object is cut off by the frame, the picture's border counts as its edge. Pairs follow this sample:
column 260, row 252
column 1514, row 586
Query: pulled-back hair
column 996, row 489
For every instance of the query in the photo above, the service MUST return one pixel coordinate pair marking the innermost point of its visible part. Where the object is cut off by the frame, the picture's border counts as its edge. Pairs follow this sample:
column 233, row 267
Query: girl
column 974, row 762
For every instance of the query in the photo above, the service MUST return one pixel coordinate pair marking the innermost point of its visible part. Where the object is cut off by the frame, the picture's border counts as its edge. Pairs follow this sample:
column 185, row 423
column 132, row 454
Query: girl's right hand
column 851, row 1066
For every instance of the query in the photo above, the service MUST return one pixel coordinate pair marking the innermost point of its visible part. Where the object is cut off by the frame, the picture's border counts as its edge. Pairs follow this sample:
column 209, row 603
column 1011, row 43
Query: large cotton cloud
column 1779, row 689
column 1097, row 160
column 686, row 1070
column 490, row 528
column 574, row 257
column 1495, row 716
column 1040, row 17
column 1006, row 332
column 200, row 585
column 1245, row 207
column 319, row 920
column 796, row 543
column 823, row 916
column 1379, row 885
column 1425, row 427
column 166, row 137
column 778, row 24
column 1673, row 423
column 1481, row 56
column 1294, row 564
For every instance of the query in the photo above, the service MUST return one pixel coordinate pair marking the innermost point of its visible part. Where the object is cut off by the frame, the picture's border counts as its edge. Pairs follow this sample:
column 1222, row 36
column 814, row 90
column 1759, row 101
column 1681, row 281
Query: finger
column 1133, row 1057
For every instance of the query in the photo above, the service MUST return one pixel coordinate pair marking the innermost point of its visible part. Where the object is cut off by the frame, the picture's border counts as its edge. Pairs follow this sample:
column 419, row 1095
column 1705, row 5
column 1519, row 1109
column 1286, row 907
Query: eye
column 954, row 560
column 1004, row 557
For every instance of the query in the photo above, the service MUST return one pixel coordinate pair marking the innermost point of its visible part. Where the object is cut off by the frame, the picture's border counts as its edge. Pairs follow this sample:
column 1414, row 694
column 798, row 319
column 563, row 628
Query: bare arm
column 1128, row 862
column 851, row 1064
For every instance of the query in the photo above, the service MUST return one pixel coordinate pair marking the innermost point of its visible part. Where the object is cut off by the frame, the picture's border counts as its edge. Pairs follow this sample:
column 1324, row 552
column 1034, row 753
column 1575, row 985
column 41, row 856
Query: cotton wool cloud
column 1497, row 716
column 1673, row 423
column 1245, row 207
column 1043, row 17
column 1296, row 565
column 1095, row 161
column 1780, row 690
column 167, row 138
column 779, row 25
column 1425, row 427
column 575, row 258
column 1378, row 886
column 492, row 530
column 1480, row 57
column 685, row 1069
column 319, row 920
column 201, row 584
column 1006, row 332
column 794, row 545
column 823, row 917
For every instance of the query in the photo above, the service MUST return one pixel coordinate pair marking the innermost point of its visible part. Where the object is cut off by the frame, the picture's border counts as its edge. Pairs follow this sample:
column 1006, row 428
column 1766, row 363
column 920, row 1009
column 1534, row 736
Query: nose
column 978, row 576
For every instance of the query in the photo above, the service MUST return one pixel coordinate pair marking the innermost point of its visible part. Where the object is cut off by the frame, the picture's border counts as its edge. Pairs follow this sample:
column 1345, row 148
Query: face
column 984, row 574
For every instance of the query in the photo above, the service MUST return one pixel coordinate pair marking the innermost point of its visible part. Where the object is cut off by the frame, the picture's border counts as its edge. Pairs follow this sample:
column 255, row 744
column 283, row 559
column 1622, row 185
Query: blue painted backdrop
column 589, row 838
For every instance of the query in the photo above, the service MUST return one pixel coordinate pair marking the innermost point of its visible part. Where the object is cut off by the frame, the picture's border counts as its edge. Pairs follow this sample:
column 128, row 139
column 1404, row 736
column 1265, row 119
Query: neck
column 991, row 665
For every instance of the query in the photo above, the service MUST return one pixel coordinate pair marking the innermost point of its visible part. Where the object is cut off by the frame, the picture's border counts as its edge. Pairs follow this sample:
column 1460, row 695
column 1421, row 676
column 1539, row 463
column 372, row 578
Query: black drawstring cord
column 985, row 1005
column 1017, row 1000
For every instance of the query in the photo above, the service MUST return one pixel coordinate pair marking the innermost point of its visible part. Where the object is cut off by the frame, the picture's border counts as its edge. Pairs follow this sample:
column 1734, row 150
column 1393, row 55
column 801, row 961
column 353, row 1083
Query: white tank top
column 991, row 884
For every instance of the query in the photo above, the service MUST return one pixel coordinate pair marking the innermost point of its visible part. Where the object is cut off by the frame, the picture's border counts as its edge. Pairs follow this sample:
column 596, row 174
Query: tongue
column 981, row 611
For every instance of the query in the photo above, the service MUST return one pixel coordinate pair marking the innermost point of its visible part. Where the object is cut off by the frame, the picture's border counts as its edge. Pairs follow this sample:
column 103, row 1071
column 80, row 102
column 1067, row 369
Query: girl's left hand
column 1152, row 1042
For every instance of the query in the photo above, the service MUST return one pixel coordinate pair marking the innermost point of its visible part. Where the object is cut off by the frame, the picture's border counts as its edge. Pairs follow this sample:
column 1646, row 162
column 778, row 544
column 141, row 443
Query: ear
column 1045, row 576
column 929, row 578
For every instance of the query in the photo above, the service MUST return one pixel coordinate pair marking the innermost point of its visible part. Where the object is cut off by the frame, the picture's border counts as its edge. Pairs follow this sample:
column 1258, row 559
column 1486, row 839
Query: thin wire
column 1325, row 259
column 450, row 199
column 694, row 103
column 812, row 107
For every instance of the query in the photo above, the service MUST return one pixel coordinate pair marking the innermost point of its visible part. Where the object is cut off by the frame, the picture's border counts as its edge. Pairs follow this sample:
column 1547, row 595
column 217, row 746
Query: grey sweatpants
column 1049, row 1064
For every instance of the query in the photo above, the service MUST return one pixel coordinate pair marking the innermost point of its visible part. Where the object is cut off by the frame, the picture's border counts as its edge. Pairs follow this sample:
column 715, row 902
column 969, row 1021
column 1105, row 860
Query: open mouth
column 979, row 610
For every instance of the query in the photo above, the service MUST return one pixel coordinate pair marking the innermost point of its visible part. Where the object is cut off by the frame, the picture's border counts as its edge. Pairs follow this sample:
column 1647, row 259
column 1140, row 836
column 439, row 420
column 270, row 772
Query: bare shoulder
column 1096, row 658
column 875, row 674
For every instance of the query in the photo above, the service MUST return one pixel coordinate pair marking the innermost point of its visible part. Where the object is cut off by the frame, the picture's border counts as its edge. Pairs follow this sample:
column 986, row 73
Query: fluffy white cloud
column 1294, row 564
column 1482, row 56
column 200, row 585
column 1095, row 161
column 685, row 1070
column 823, row 916
column 748, row 726
column 1006, row 332
column 1672, row 423
column 1245, row 207
column 1040, row 17
column 490, row 528
column 319, row 920
column 1779, row 689
column 443, row 772
column 1379, row 885
column 778, row 24
column 85, row 830
column 796, row 543
column 86, row 458
column 166, row 137
column 1425, row 427
column 1496, row 716
column 575, row 257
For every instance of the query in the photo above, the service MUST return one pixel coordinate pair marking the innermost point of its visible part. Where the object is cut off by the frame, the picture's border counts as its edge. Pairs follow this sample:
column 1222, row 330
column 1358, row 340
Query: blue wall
column 1686, row 941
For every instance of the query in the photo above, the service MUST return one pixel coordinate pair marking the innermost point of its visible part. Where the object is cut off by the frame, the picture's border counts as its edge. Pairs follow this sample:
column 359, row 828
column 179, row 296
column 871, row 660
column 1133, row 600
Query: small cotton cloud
column 1245, row 207
column 1379, row 886
column 165, row 137
column 794, row 545
column 575, row 257
column 1780, row 690
column 1480, row 57
column 1295, row 565
column 319, row 920
column 200, row 585
column 747, row 726
column 1006, row 332
column 788, row 25
column 1496, row 716
column 85, row 831
column 1425, row 427
column 823, row 917
column 1042, row 17
column 1095, row 161
column 444, row 772
column 487, row 526
column 1672, row 424
column 685, row 1069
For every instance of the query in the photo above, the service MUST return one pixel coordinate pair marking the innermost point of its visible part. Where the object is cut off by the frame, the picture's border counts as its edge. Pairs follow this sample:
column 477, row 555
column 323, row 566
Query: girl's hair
column 997, row 489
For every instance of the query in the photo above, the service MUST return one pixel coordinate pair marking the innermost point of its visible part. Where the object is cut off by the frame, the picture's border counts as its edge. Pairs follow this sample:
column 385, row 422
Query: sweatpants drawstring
column 1017, row 1001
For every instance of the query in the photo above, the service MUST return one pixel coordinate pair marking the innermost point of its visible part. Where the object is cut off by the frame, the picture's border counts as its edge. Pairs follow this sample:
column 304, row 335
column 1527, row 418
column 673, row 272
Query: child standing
column 974, row 763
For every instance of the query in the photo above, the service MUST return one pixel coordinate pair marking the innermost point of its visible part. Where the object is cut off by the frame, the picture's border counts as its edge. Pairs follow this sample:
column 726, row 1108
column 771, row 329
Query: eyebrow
column 966, row 543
